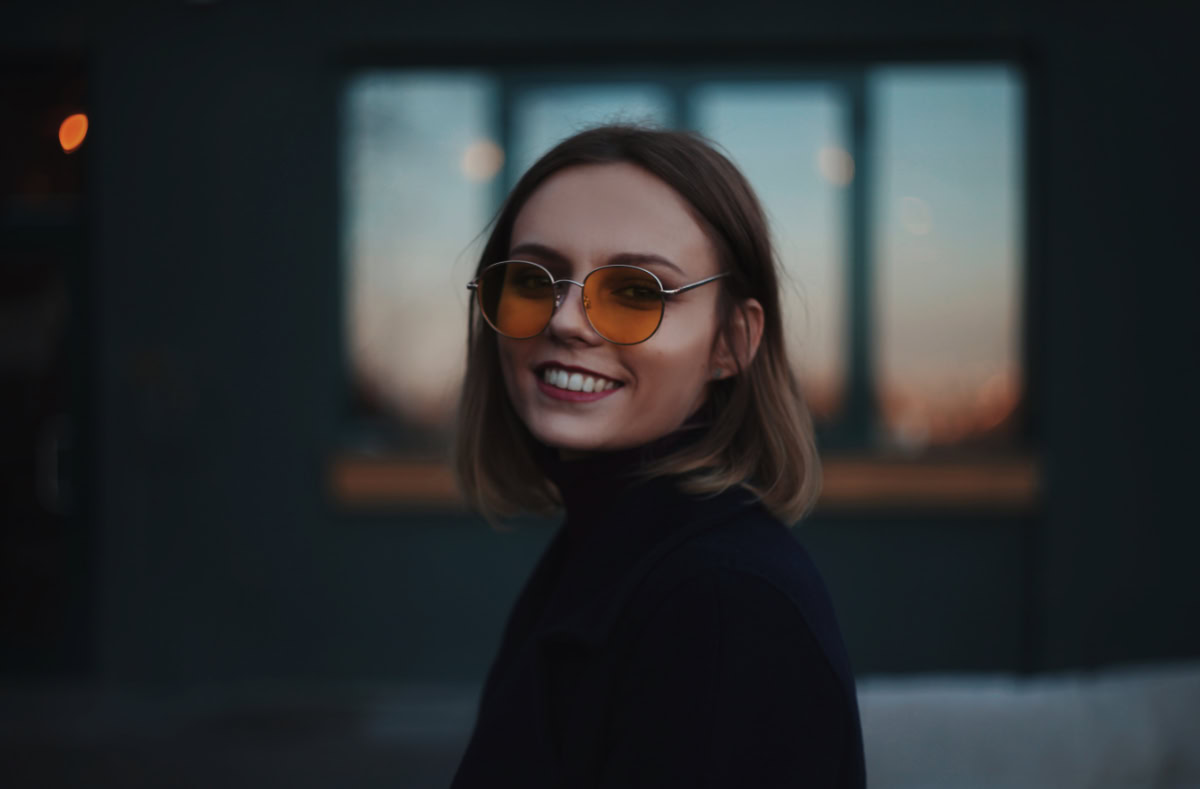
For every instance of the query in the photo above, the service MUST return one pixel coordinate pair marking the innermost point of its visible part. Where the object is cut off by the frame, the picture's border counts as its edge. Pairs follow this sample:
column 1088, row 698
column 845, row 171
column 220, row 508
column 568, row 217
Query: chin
column 562, row 437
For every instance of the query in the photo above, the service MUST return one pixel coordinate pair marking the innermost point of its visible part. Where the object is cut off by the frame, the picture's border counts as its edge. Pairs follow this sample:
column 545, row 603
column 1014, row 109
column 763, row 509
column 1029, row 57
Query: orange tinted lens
column 517, row 299
column 624, row 304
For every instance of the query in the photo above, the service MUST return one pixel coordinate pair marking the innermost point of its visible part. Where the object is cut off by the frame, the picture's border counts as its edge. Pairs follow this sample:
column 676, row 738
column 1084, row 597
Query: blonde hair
column 761, row 437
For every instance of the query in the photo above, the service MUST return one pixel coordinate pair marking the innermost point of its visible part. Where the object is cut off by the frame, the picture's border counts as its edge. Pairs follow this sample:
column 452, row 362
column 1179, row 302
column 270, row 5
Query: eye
column 534, row 280
column 531, row 280
column 637, row 292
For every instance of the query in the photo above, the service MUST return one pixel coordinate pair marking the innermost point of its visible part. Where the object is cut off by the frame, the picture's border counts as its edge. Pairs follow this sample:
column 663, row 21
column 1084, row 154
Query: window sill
column 1007, row 483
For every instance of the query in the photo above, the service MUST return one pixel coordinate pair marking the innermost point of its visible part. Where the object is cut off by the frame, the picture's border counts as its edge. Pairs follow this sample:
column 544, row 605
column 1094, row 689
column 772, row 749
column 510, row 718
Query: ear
column 745, row 334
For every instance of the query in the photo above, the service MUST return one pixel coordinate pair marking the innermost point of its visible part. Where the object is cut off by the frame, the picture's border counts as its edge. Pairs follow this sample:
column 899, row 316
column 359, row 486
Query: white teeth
column 576, row 382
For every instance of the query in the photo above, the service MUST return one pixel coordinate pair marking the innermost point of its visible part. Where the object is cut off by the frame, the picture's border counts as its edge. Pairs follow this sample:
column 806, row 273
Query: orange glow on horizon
column 72, row 131
column 922, row 415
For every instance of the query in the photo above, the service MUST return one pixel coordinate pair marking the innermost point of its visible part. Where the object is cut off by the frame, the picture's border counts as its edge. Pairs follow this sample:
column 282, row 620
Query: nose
column 569, row 320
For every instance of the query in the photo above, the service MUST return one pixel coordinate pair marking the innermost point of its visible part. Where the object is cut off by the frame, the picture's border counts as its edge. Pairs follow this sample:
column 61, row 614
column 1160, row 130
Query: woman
column 626, row 363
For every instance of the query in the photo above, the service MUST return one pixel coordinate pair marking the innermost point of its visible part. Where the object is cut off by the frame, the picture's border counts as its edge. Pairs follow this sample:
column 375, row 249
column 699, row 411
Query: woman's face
column 581, row 218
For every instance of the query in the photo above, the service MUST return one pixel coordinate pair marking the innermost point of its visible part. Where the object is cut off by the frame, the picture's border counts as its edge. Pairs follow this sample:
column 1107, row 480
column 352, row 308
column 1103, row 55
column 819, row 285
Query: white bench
column 1135, row 726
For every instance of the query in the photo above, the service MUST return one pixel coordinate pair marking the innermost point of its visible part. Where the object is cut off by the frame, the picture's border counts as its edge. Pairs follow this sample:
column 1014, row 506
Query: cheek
column 676, row 368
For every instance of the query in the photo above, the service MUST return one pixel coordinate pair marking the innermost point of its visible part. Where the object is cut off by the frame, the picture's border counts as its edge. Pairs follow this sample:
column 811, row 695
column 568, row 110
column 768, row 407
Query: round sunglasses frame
column 558, row 295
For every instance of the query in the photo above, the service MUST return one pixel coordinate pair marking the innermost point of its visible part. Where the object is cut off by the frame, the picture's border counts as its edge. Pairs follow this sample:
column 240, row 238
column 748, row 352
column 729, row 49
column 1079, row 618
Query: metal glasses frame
column 558, row 294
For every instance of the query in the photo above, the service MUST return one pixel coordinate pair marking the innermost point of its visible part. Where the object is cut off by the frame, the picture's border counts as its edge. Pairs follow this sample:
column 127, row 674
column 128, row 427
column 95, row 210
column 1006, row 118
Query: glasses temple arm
column 704, row 281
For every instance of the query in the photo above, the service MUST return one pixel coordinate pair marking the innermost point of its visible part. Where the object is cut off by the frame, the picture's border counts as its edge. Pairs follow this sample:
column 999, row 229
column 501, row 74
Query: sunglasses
column 623, row 303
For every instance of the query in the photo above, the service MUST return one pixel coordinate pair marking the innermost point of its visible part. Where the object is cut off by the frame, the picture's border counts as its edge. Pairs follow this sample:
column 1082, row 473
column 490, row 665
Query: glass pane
column 543, row 116
column 788, row 139
column 948, row 250
column 417, row 160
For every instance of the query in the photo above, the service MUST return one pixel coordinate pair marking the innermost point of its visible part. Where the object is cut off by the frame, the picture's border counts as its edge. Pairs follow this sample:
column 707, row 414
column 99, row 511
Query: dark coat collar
column 616, row 530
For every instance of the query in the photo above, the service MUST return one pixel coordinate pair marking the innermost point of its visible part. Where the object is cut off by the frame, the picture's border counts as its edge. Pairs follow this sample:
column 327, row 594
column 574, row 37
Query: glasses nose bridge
column 559, row 291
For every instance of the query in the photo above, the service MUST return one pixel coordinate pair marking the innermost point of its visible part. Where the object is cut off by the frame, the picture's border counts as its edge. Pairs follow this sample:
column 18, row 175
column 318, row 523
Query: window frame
column 859, row 476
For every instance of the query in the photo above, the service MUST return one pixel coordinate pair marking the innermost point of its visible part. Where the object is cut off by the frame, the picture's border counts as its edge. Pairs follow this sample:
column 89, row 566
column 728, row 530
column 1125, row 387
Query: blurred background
column 233, row 247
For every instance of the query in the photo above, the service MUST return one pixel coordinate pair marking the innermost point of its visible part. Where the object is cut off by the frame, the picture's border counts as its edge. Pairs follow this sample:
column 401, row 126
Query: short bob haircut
column 761, row 432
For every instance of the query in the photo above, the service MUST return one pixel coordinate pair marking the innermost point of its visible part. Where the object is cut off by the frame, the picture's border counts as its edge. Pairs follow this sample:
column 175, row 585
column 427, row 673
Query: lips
column 571, row 382
column 580, row 395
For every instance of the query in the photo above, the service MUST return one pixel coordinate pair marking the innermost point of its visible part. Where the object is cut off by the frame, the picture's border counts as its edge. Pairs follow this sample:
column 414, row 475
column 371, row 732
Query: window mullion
column 860, row 414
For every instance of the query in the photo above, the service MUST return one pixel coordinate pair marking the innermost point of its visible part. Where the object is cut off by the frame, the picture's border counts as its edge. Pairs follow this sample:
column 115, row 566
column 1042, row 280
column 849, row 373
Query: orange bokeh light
column 72, row 131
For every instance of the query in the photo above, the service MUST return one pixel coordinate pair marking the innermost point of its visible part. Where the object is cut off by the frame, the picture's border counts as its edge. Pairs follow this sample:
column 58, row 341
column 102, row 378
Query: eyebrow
column 629, row 258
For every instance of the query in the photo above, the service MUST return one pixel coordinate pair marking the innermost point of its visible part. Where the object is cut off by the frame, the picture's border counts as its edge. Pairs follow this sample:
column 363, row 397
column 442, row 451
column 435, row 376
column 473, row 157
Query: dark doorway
column 45, row 557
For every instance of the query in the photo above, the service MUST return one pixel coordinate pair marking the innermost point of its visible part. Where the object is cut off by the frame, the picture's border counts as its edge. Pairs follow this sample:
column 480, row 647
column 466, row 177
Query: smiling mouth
column 575, row 381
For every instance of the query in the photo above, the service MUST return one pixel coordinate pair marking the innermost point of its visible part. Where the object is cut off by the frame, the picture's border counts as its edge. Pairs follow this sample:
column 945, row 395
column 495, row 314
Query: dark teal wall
column 214, row 358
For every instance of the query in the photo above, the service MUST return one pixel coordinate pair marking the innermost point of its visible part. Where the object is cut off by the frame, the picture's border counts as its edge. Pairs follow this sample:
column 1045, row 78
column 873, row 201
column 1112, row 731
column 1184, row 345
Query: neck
column 588, row 480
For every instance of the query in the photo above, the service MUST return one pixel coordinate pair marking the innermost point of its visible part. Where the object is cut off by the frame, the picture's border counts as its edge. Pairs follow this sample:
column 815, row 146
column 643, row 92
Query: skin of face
column 587, row 214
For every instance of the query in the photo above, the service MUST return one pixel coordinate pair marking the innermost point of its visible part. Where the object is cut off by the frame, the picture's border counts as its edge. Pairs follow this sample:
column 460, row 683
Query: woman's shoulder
column 737, row 645
column 751, row 543
column 750, row 565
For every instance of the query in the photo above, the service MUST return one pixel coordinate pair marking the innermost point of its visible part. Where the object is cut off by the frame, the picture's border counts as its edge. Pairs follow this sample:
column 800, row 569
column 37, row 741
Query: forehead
column 590, row 212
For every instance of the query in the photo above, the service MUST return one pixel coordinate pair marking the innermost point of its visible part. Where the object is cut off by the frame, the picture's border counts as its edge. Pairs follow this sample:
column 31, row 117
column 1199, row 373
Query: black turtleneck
column 666, row 639
column 591, row 485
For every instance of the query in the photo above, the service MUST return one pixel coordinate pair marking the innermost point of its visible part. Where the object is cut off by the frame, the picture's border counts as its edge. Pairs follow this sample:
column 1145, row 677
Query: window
column 947, row 253
column 894, row 194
